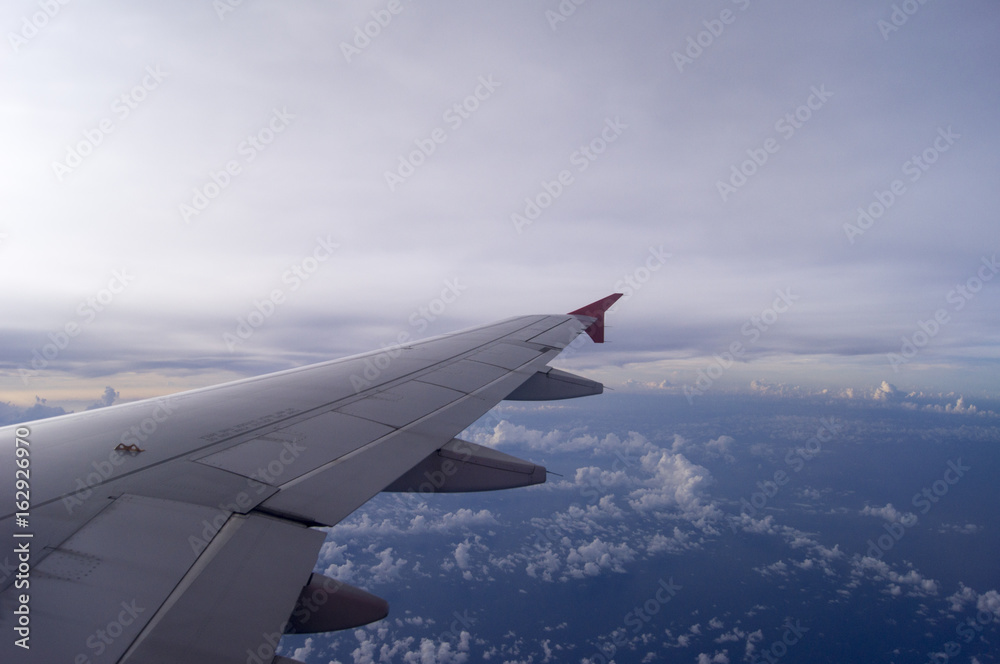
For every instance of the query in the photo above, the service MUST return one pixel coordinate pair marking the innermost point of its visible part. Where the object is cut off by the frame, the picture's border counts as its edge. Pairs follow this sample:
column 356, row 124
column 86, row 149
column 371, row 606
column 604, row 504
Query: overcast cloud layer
column 169, row 170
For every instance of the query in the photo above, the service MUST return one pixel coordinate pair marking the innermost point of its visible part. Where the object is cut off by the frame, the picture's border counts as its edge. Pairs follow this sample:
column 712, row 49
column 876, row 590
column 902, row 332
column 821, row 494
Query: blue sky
column 172, row 173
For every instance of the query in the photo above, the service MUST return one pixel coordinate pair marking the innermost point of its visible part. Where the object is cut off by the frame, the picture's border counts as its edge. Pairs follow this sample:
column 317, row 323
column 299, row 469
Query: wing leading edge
column 198, row 544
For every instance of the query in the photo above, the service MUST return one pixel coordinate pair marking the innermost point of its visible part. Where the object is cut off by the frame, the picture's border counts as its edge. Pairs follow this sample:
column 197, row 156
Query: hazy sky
column 360, row 171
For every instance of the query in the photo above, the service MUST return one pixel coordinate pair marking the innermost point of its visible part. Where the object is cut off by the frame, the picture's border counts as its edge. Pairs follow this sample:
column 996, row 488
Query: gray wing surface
column 183, row 528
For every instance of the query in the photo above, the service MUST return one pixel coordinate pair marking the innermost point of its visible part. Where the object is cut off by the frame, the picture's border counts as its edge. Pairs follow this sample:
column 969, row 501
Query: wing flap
column 461, row 466
column 282, row 455
column 332, row 491
column 92, row 599
column 234, row 603
column 553, row 384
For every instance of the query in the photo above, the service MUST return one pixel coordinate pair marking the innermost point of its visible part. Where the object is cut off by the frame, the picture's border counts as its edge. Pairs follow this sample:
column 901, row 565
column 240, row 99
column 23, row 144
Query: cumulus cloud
column 674, row 483
column 545, row 565
column 779, row 568
column 11, row 414
column 990, row 602
column 302, row 653
column 427, row 520
column 963, row 529
column 590, row 558
column 776, row 389
column 890, row 514
column 504, row 434
column 965, row 597
column 444, row 652
column 461, row 554
column 962, row 597
column 378, row 643
column 916, row 584
column 721, row 447
column 886, row 392
column 338, row 566
column 660, row 543
column 753, row 638
column 109, row 397
column 388, row 567
column 960, row 407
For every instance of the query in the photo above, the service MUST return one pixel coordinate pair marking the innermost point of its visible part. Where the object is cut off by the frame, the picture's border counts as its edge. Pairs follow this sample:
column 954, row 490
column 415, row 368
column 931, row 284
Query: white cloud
column 964, row 529
column 660, row 543
column 461, row 554
column 675, row 483
column 886, row 392
column 388, row 567
column 963, row 596
column 338, row 566
column 304, row 652
column 917, row 585
column 753, row 638
column 960, row 407
column 591, row 558
column 890, row 514
column 505, row 433
column 722, row 447
column 546, row 564
column 990, row 602
column 444, row 652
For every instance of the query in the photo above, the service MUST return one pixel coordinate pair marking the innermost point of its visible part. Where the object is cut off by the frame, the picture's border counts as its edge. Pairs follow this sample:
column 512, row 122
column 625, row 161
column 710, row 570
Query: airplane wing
column 184, row 528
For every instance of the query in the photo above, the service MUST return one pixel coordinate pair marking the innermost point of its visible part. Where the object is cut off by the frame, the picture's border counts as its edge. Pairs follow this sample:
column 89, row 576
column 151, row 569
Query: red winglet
column 596, row 310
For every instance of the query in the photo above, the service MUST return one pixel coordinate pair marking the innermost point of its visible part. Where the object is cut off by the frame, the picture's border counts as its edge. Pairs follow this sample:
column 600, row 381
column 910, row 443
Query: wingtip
column 596, row 310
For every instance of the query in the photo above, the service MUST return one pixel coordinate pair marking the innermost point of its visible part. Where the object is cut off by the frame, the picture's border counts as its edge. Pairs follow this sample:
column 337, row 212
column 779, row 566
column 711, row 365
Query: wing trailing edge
column 461, row 466
column 553, row 384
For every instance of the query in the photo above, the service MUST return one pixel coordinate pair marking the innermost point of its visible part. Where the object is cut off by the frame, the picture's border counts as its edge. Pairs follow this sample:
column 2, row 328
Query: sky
column 792, row 196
